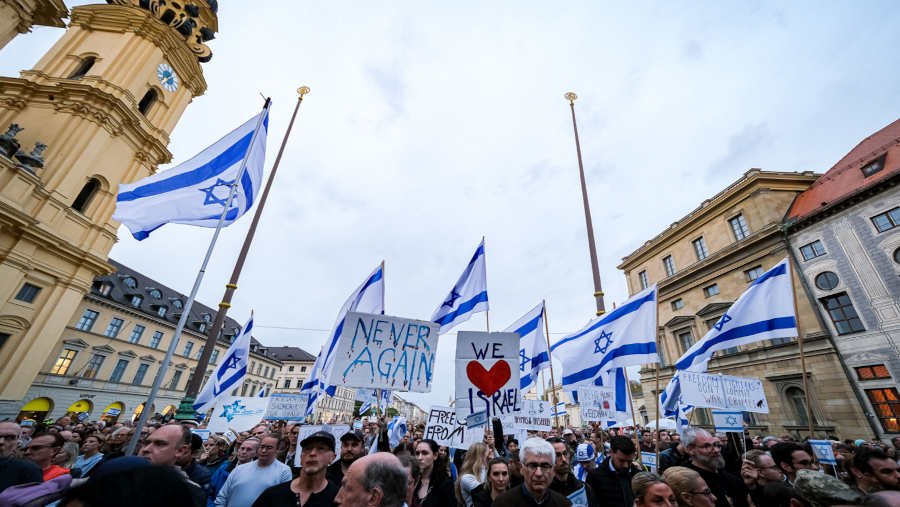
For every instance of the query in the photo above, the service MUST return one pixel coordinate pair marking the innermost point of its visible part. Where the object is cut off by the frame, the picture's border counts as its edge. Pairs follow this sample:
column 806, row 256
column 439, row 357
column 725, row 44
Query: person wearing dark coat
column 611, row 480
column 675, row 456
column 564, row 481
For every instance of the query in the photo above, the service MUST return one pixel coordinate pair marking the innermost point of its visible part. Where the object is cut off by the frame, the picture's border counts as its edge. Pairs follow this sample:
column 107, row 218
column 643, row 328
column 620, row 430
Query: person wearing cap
column 584, row 455
column 819, row 489
column 248, row 481
column 569, row 436
column 564, row 482
column 353, row 447
column 312, row 487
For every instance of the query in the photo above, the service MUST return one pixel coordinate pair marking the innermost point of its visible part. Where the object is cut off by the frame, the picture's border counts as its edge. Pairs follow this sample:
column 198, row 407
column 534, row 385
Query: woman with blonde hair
column 690, row 489
column 66, row 456
column 472, row 473
column 651, row 491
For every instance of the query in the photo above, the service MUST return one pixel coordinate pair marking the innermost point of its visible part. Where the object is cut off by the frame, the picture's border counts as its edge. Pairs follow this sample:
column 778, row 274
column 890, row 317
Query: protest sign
column 204, row 434
column 338, row 430
column 442, row 427
column 287, row 406
column 597, row 403
column 824, row 451
column 728, row 420
column 239, row 413
column 485, row 363
column 535, row 415
column 476, row 420
column 382, row 352
column 648, row 459
column 723, row 391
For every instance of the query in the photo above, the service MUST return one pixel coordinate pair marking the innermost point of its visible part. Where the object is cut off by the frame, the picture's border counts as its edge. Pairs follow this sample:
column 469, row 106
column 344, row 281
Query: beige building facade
column 97, row 110
column 703, row 263
column 296, row 364
column 19, row 16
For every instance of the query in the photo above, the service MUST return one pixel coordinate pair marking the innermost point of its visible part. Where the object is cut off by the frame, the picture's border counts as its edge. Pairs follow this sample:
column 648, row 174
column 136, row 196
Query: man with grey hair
column 537, row 461
column 376, row 480
column 768, row 442
column 707, row 460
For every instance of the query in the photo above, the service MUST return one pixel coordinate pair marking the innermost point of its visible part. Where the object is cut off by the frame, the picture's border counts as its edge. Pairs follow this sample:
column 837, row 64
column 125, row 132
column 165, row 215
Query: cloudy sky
column 433, row 124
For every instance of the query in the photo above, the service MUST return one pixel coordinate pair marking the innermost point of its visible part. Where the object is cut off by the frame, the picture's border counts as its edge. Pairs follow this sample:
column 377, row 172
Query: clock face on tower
column 167, row 77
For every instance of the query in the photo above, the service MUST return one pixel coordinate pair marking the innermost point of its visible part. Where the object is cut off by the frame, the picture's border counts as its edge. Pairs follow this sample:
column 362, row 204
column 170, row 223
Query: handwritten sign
column 824, row 451
column 338, row 430
column 236, row 412
column 535, row 416
column 382, row 352
column 723, row 391
column 485, row 363
column 476, row 420
column 648, row 459
column 442, row 427
column 597, row 403
column 287, row 406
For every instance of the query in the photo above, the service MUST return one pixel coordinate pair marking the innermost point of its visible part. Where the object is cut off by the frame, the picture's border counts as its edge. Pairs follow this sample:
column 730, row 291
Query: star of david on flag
column 468, row 297
column 195, row 192
column 728, row 420
column 229, row 373
column 533, row 353
column 602, row 343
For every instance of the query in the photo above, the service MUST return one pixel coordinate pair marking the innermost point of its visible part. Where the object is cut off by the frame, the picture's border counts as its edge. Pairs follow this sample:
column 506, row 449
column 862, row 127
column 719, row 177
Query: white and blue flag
column 468, row 297
column 616, row 379
column 262, row 392
column 367, row 298
column 623, row 337
column 559, row 410
column 230, row 372
column 369, row 397
column 196, row 191
column 533, row 354
column 763, row 312
column 396, row 430
column 312, row 385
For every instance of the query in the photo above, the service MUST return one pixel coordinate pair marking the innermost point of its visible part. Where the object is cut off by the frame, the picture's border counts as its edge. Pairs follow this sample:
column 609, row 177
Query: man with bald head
column 377, row 480
column 166, row 445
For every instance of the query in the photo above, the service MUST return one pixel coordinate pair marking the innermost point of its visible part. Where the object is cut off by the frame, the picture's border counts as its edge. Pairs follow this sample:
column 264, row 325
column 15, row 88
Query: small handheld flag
column 468, row 297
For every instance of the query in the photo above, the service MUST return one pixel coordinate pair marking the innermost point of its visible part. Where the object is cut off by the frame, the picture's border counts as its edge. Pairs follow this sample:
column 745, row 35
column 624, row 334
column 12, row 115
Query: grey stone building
column 844, row 233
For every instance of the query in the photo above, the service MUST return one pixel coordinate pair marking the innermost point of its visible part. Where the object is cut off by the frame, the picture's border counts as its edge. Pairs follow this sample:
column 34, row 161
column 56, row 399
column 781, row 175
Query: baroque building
column 845, row 234
column 97, row 110
column 112, row 347
column 19, row 16
column 703, row 262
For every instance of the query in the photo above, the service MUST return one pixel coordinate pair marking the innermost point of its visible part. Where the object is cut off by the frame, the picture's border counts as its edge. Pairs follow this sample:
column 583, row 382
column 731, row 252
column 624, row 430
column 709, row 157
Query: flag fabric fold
column 396, row 430
column 533, row 353
column 195, row 192
column 312, row 385
column 623, row 337
column 229, row 373
column 468, row 297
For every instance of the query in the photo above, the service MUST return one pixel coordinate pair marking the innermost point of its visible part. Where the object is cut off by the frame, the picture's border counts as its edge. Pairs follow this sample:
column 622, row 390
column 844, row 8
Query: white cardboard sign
column 287, row 406
column 338, row 430
column 535, row 416
column 723, row 391
column 442, row 426
column 487, row 374
column 597, row 403
column 240, row 413
column 382, row 352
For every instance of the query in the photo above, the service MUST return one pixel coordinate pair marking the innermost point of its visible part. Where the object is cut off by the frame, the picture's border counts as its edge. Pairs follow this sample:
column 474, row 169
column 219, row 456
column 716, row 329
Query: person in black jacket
column 706, row 459
column 497, row 483
column 564, row 481
column 611, row 481
column 676, row 456
column 435, row 489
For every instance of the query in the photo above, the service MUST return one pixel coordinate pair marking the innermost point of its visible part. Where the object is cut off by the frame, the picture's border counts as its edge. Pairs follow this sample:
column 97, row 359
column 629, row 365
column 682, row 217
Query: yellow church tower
column 97, row 110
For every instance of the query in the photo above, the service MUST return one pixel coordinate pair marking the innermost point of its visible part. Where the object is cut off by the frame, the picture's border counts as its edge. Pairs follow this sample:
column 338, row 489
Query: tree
column 356, row 406
column 636, row 386
column 391, row 412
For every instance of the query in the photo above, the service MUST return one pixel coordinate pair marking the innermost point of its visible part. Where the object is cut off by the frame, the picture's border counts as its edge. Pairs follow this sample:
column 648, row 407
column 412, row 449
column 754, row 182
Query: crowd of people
column 75, row 464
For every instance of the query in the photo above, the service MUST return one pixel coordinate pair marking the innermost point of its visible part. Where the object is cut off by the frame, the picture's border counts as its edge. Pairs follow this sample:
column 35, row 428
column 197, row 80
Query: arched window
column 84, row 198
column 798, row 400
column 147, row 102
column 130, row 282
column 827, row 280
column 83, row 69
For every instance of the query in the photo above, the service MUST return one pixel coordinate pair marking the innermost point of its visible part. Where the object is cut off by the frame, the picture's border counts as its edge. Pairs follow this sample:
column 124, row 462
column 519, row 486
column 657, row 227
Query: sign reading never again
column 485, row 379
column 723, row 391
column 383, row 352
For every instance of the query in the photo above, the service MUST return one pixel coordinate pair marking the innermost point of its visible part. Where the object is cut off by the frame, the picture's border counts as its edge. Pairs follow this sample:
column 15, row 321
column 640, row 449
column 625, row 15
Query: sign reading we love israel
column 381, row 352
column 485, row 380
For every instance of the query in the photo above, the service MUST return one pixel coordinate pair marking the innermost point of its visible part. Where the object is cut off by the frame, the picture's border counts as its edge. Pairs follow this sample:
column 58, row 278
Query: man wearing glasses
column 14, row 471
column 790, row 457
column 707, row 460
column 248, row 481
column 537, row 461
column 41, row 451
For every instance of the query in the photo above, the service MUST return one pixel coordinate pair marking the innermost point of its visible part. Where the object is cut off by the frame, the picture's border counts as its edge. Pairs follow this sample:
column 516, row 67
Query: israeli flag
column 469, row 296
column 763, row 312
column 560, row 409
column 533, row 353
column 670, row 401
column 312, row 385
column 396, row 430
column 196, row 191
column 369, row 397
column 229, row 373
column 616, row 379
column 262, row 392
column 367, row 298
column 623, row 337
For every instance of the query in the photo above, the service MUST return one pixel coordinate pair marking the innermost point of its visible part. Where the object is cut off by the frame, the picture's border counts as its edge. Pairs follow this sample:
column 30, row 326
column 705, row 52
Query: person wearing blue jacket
column 246, row 453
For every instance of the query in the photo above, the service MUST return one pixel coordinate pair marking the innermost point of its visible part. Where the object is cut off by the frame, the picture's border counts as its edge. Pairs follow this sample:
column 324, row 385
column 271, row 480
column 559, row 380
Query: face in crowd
column 707, row 450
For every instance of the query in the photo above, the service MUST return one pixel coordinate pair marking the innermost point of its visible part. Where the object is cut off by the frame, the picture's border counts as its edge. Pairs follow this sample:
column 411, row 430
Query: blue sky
column 430, row 125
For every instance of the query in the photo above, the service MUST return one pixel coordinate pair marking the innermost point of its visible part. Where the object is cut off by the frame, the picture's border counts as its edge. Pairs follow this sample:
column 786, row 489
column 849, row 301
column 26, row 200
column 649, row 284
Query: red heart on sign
column 488, row 382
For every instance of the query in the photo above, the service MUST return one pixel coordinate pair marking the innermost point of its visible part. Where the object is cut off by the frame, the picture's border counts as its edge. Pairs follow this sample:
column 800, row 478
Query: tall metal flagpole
column 186, row 409
column 598, row 289
column 186, row 311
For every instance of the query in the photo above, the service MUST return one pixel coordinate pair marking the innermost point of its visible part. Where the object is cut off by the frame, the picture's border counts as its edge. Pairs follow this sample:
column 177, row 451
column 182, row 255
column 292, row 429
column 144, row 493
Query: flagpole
column 809, row 412
column 186, row 311
column 186, row 408
column 487, row 318
column 552, row 380
column 598, row 289
column 658, row 343
column 633, row 417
